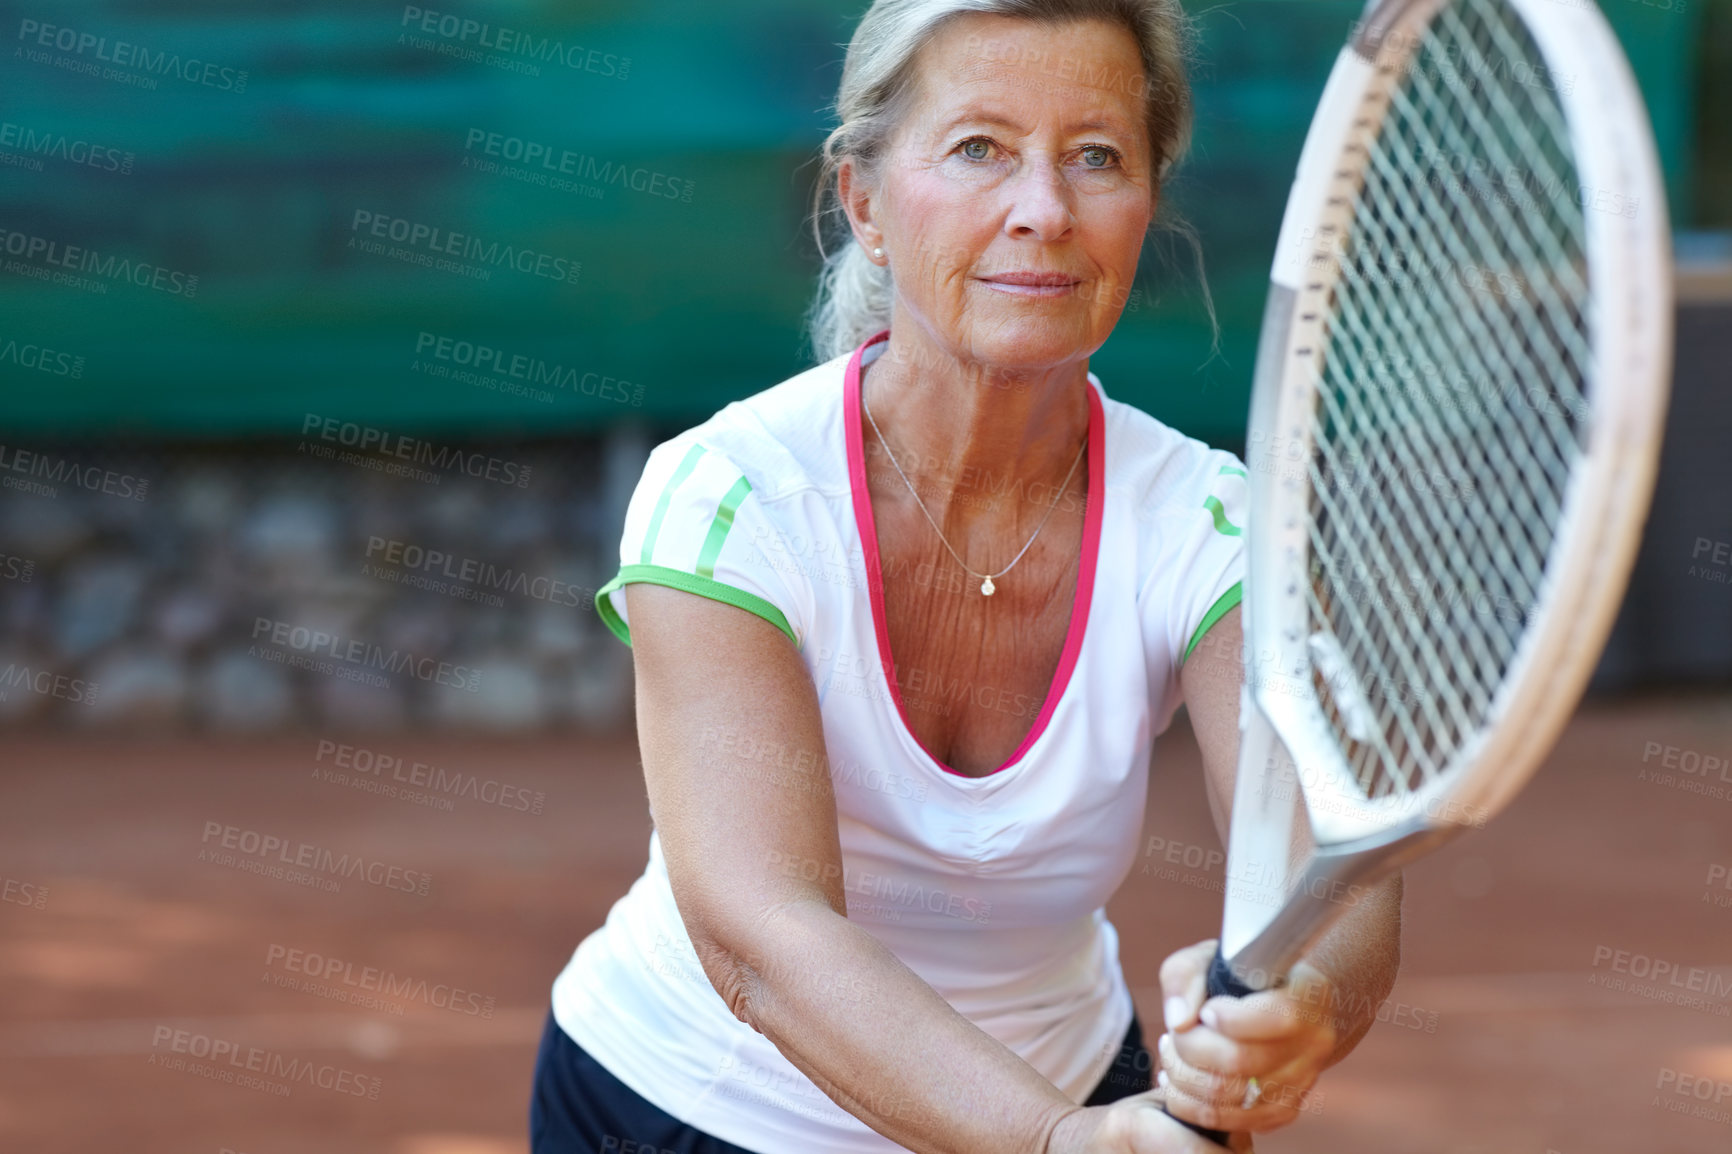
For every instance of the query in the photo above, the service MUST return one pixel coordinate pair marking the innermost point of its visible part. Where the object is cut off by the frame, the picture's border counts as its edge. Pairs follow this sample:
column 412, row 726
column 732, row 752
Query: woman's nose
column 1040, row 200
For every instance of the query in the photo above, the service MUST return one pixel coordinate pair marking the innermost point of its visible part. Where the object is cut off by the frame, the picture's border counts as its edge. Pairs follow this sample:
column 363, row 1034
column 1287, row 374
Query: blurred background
column 321, row 318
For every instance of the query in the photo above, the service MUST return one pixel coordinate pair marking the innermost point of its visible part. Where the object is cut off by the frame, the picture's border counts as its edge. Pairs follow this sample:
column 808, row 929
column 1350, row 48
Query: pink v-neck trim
column 1094, row 502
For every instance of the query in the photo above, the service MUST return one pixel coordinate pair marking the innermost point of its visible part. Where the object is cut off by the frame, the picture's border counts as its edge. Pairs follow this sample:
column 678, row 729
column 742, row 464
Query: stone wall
column 303, row 585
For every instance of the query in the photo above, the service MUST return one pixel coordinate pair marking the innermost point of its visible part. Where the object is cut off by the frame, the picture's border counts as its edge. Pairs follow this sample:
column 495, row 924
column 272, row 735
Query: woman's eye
column 1106, row 156
column 1095, row 156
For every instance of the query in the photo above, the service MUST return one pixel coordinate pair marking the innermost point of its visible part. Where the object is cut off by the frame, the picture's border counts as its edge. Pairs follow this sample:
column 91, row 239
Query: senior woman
column 896, row 721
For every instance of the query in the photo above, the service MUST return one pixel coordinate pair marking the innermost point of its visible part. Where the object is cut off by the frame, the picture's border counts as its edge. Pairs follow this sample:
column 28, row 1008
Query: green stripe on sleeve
column 1222, row 606
column 691, row 583
column 680, row 474
column 1219, row 512
column 720, row 526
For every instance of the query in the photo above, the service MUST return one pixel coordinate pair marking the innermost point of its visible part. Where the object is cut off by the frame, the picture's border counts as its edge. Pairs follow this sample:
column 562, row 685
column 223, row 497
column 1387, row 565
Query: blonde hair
column 854, row 295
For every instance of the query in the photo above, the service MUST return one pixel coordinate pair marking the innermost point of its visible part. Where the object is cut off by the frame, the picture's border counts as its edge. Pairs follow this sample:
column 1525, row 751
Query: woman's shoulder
column 1190, row 503
column 785, row 439
column 1163, row 468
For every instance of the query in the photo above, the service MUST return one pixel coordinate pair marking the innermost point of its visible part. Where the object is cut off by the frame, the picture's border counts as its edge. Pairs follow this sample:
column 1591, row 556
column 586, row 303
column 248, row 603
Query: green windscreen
column 535, row 218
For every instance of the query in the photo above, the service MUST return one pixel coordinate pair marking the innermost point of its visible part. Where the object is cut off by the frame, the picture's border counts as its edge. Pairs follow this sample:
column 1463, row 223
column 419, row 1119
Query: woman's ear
column 856, row 200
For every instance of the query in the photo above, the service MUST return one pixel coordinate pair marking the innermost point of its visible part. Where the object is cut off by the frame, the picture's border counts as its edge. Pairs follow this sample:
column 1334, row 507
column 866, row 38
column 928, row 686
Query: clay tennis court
column 406, row 1023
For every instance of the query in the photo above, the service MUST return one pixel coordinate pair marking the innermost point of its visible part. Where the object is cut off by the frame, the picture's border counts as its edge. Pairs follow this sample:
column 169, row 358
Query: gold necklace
column 986, row 585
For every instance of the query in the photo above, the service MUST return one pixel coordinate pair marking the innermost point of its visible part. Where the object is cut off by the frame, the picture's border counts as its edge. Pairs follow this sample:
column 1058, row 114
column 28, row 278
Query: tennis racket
column 1454, row 429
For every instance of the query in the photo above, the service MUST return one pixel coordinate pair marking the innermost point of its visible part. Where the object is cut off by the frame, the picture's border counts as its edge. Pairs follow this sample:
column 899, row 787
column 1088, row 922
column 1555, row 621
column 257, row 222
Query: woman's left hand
column 1215, row 1047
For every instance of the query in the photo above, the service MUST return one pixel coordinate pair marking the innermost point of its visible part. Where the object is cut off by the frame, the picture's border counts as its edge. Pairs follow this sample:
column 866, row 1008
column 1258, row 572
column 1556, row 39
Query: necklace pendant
column 986, row 587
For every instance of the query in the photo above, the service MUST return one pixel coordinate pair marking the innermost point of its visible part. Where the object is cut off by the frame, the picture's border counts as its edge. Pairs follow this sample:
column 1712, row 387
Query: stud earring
column 878, row 254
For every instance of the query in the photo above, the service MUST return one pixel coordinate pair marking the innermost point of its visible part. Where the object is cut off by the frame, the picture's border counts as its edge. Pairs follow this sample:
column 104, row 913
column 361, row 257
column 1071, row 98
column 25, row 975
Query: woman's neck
column 957, row 425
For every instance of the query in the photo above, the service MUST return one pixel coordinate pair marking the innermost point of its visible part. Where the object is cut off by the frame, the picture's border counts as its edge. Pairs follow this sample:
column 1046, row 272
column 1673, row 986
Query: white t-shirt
column 990, row 888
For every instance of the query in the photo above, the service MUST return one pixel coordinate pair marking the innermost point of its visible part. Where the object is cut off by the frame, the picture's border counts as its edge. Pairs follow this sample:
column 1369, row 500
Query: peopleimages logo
column 425, row 243
column 47, row 683
column 367, row 438
column 253, row 1066
column 43, row 253
column 122, row 54
column 29, row 142
column 533, row 371
column 370, row 980
column 60, row 471
column 41, row 358
column 24, row 893
column 221, row 842
column 469, row 38
column 401, row 554
column 359, row 767
column 365, row 654
column 19, row 569
column 555, row 162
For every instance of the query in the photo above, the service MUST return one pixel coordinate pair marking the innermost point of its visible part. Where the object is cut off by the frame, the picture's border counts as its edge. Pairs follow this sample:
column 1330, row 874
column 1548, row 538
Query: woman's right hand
column 1135, row 1125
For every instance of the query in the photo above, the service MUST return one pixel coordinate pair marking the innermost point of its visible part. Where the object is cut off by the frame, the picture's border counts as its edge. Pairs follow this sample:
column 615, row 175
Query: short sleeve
column 1198, row 565
column 695, row 522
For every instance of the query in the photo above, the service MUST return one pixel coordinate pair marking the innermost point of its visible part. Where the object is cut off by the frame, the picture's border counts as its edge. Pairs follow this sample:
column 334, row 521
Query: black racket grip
column 1221, row 981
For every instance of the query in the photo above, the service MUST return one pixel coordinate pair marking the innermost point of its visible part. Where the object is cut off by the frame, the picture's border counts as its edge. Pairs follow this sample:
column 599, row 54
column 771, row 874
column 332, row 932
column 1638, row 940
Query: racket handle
column 1222, row 981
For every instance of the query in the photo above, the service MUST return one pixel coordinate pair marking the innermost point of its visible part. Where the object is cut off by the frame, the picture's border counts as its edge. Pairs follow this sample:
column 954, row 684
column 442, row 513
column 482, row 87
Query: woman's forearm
column 1360, row 955
column 881, row 1042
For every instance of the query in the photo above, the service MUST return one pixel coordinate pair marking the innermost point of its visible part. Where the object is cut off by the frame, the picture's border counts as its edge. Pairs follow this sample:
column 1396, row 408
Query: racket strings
column 1451, row 713
column 1551, row 258
column 1493, row 329
column 1447, row 516
column 1443, row 523
column 1392, row 560
column 1467, row 304
column 1548, row 148
column 1389, row 751
column 1446, row 503
column 1343, row 564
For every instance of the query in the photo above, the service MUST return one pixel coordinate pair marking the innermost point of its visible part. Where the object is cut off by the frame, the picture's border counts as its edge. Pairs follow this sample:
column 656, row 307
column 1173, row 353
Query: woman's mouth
column 1032, row 284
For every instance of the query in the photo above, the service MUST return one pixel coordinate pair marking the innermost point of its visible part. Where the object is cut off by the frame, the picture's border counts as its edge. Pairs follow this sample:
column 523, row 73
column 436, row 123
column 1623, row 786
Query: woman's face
column 1025, row 152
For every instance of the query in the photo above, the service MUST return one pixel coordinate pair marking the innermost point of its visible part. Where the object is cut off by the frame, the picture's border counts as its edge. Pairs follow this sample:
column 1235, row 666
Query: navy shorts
column 578, row 1106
